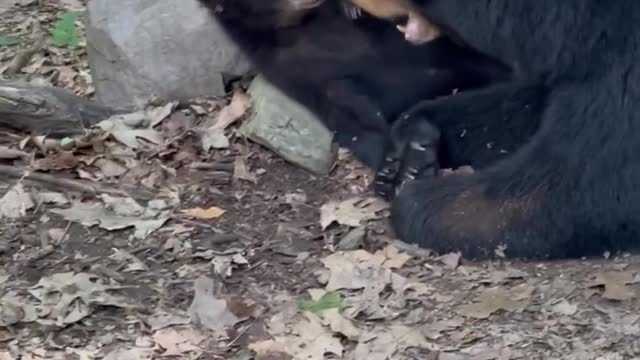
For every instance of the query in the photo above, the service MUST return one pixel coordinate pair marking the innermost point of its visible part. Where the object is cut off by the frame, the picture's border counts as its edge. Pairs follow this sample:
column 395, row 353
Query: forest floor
column 234, row 253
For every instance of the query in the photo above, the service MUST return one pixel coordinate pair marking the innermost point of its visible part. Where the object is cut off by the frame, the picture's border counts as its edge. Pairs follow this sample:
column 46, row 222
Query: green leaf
column 64, row 31
column 329, row 300
column 8, row 40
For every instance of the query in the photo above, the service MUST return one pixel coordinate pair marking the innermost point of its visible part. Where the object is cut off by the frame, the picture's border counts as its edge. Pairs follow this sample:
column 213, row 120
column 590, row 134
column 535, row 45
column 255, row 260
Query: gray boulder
column 288, row 129
column 172, row 49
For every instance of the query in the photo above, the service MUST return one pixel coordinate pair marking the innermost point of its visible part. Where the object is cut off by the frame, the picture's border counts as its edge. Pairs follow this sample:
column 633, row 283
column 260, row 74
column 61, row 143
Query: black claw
column 352, row 11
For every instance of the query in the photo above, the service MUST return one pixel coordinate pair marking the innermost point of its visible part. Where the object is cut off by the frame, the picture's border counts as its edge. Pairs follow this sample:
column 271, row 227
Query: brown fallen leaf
column 179, row 340
column 389, row 342
column 213, row 138
column 306, row 339
column 497, row 298
column 207, row 214
column 136, row 353
column 615, row 285
column 158, row 114
column 110, row 168
column 390, row 257
column 240, row 103
column 15, row 203
column 351, row 212
column 338, row 323
column 57, row 235
column 563, row 307
column 241, row 170
column 61, row 161
column 451, row 260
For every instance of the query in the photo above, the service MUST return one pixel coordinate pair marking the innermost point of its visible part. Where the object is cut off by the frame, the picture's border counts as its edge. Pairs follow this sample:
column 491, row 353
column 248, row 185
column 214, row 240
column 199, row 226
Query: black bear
column 359, row 76
column 574, row 188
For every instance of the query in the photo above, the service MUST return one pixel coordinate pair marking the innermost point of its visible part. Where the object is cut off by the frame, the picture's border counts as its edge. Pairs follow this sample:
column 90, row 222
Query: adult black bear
column 358, row 77
column 574, row 188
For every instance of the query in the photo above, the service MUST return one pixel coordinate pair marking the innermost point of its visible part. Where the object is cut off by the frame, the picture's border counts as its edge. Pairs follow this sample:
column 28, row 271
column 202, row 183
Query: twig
column 38, row 254
column 59, row 182
column 244, row 331
column 221, row 239
column 64, row 234
column 219, row 166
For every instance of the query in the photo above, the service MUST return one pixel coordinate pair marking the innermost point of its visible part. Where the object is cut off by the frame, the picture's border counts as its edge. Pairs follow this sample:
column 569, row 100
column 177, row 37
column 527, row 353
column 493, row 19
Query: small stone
column 288, row 129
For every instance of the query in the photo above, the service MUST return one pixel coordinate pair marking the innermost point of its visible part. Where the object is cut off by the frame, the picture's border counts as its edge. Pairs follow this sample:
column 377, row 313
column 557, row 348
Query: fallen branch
column 62, row 183
column 48, row 110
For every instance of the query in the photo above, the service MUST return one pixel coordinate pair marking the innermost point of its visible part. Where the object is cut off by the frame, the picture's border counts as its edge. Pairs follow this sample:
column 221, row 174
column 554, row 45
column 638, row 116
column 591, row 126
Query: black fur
column 359, row 76
column 574, row 188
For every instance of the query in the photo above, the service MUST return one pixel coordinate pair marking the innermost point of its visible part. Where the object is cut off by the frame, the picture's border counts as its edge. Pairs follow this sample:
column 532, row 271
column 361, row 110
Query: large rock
column 139, row 49
column 288, row 129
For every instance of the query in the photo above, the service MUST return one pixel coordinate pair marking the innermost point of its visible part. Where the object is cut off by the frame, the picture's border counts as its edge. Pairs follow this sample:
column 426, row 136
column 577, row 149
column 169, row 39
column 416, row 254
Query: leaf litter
column 116, row 214
column 354, row 299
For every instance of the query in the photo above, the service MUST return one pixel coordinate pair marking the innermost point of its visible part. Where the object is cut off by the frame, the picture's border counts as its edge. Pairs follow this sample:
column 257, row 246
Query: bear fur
column 571, row 190
column 359, row 76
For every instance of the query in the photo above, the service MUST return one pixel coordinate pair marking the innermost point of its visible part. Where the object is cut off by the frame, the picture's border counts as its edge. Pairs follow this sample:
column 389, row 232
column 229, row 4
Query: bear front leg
column 415, row 142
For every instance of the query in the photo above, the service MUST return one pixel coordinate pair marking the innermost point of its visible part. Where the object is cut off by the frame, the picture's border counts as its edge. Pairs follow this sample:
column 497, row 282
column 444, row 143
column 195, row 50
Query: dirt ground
column 236, row 254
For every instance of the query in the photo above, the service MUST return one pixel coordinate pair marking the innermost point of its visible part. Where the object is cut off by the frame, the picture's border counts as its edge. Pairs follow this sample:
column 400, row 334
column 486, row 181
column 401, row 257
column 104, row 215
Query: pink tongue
column 417, row 31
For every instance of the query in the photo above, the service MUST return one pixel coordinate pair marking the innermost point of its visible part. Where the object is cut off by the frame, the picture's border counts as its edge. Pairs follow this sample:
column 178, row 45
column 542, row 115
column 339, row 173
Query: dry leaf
column 240, row 103
column 97, row 214
column 340, row 324
column 132, row 262
column 136, row 353
column 496, row 298
column 387, row 342
column 110, row 168
column 213, row 138
column 51, row 198
column 241, row 170
column 15, row 203
column 67, row 298
column 361, row 270
column 61, row 161
column 391, row 258
column 351, row 212
column 57, row 235
column 162, row 319
column 124, row 206
column 178, row 340
column 158, row 114
column 615, row 285
column 307, row 339
column 565, row 308
column 124, row 128
column 451, row 260
column 200, row 213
